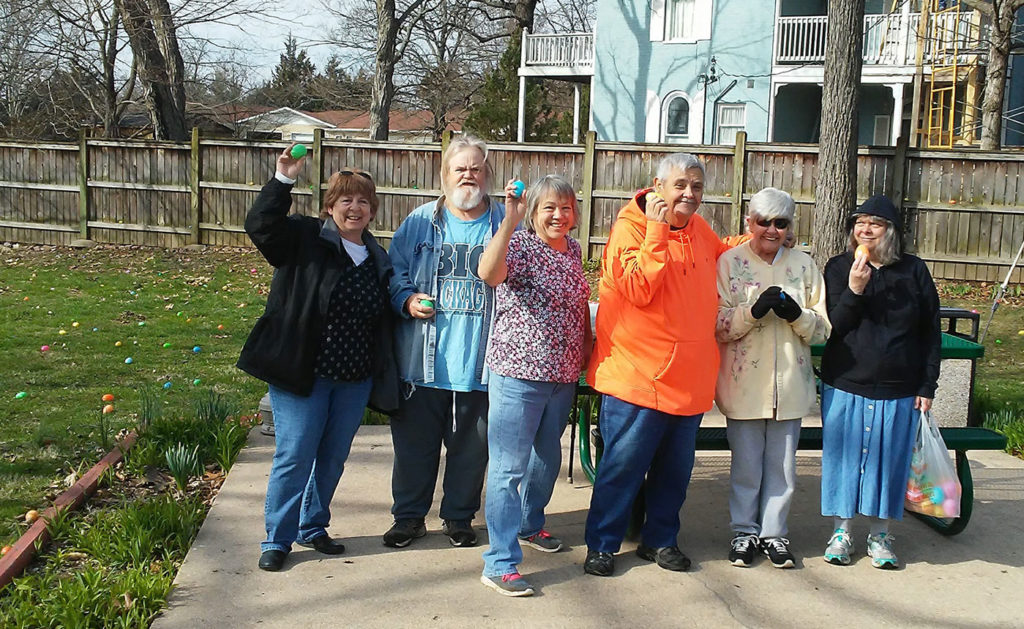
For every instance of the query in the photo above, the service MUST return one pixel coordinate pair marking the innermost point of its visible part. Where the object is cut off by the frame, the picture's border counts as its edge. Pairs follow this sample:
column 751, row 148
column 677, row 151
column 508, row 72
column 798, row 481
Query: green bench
column 959, row 439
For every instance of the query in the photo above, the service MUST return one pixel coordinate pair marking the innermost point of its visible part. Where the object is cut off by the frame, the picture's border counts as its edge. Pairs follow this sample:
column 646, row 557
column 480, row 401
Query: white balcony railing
column 888, row 39
column 570, row 50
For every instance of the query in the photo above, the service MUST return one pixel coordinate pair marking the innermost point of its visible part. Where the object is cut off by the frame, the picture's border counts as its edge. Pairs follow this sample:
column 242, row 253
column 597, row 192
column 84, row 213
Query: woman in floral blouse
column 771, row 310
column 540, row 342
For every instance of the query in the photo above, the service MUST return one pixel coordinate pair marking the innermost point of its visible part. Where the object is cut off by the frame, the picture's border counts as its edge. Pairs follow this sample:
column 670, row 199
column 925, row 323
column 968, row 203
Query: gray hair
column 678, row 161
column 549, row 185
column 771, row 203
column 889, row 248
column 458, row 145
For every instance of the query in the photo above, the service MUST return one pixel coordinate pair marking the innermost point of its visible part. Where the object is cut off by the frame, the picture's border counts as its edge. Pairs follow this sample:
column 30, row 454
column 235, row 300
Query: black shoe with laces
column 599, row 564
column 744, row 548
column 403, row 531
column 460, row 532
column 777, row 549
column 668, row 557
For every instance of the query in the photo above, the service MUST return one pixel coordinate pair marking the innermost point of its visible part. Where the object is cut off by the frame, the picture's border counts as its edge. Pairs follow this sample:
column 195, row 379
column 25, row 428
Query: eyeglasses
column 356, row 172
column 780, row 223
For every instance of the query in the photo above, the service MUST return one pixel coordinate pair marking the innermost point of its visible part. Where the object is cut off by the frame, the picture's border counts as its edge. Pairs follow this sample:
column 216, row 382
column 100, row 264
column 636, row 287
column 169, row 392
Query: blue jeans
column 313, row 435
column 524, row 430
column 640, row 441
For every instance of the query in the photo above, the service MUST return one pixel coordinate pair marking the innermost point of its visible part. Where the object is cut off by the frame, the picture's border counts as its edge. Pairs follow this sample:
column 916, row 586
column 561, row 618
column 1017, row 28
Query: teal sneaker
column 840, row 545
column 880, row 551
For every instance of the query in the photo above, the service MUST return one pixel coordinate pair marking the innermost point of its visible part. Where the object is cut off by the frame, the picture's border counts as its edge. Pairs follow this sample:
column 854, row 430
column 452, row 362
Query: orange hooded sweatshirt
column 655, row 328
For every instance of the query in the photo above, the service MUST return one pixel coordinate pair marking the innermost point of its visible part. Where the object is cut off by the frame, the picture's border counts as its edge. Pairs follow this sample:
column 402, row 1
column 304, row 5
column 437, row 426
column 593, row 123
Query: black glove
column 765, row 302
column 787, row 308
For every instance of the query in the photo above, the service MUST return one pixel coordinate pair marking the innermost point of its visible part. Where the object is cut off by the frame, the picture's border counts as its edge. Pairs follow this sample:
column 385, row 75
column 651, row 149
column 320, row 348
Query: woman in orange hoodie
column 655, row 361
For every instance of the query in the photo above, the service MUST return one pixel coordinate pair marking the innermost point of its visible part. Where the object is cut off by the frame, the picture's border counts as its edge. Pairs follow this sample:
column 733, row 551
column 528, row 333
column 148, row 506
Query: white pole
column 521, row 119
column 575, row 113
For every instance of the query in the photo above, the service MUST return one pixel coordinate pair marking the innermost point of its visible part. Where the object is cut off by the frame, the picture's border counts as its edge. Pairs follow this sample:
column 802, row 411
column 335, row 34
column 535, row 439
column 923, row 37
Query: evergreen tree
column 290, row 83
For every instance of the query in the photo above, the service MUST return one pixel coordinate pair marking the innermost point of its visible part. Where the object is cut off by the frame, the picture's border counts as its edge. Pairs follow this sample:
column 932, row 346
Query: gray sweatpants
column 762, row 474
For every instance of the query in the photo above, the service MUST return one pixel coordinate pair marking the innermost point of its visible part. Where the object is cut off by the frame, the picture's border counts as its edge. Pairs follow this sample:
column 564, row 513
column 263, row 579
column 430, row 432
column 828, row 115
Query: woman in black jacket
column 323, row 345
column 879, row 372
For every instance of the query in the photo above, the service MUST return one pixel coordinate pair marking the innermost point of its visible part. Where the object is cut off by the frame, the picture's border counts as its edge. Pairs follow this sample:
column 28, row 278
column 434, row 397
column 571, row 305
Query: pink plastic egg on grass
column 44, row 348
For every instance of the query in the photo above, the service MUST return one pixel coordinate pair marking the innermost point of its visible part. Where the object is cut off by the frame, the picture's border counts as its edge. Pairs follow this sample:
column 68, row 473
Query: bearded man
column 445, row 312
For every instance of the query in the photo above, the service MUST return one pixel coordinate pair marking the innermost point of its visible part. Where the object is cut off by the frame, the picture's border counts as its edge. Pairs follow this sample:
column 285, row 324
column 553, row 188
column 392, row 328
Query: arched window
column 677, row 120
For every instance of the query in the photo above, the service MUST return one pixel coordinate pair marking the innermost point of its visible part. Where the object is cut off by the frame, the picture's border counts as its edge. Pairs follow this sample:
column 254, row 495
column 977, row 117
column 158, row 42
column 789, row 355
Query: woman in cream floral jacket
column 771, row 310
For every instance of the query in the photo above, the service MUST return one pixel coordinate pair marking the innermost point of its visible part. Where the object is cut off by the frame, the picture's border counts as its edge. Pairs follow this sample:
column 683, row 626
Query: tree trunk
column 995, row 74
column 383, row 90
column 836, row 189
column 159, row 73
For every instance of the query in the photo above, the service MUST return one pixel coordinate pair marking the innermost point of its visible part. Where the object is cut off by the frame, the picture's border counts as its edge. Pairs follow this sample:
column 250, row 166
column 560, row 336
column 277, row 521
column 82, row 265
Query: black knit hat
column 878, row 205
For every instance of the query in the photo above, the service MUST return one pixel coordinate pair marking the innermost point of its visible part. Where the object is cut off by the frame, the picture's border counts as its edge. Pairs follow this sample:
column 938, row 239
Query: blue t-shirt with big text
column 461, row 299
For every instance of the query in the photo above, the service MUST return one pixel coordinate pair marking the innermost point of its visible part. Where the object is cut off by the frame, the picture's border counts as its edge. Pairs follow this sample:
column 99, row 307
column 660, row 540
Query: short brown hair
column 349, row 181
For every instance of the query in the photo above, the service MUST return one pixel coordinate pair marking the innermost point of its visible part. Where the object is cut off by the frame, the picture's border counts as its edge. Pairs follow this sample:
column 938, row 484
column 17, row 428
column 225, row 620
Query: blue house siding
column 630, row 70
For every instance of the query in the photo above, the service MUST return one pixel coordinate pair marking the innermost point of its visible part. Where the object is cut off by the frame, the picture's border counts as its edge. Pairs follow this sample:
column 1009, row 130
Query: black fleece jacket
column 283, row 345
column 885, row 343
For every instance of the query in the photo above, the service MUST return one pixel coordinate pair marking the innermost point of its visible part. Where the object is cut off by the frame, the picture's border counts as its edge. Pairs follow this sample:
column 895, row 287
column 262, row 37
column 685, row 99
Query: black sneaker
column 777, row 549
column 460, row 532
column 599, row 564
column 403, row 531
column 668, row 557
column 744, row 547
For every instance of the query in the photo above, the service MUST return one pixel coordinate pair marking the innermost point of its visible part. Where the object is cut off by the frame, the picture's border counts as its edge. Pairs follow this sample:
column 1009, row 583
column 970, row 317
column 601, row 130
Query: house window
column 732, row 118
column 677, row 120
column 681, row 18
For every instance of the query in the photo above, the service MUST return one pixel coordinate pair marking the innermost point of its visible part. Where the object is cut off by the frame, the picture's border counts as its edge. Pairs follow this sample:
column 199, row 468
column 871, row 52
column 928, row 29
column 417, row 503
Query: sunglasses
column 780, row 223
column 356, row 172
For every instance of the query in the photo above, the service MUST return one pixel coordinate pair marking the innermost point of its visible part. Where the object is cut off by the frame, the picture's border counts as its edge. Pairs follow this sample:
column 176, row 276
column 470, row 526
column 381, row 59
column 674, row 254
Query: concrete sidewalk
column 972, row 580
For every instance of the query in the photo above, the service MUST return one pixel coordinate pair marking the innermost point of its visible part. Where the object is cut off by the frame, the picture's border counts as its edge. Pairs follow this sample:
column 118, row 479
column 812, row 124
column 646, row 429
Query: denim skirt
column 865, row 455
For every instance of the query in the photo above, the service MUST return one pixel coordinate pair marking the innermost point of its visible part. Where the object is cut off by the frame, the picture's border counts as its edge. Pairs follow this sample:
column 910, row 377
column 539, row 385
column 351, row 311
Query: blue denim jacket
column 415, row 254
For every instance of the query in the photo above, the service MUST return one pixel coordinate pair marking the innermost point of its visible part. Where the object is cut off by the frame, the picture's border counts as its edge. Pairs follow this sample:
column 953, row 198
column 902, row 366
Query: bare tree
column 1002, row 15
column 566, row 16
column 835, row 192
column 23, row 39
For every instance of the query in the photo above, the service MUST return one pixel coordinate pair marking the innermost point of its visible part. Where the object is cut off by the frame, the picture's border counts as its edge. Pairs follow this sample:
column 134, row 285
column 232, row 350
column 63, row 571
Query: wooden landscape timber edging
column 964, row 209
column 21, row 553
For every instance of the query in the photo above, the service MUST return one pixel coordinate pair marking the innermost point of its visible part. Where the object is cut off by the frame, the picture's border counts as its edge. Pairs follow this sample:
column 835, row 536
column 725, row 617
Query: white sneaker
column 880, row 551
column 840, row 545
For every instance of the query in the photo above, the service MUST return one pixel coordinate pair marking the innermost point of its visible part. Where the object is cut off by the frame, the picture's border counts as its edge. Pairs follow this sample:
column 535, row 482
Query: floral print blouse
column 540, row 312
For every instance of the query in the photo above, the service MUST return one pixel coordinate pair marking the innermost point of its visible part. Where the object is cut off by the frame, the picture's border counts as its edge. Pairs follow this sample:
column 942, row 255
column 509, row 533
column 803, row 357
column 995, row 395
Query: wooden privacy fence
column 963, row 209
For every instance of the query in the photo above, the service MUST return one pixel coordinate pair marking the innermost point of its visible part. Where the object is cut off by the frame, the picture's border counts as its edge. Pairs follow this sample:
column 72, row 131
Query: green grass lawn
column 142, row 298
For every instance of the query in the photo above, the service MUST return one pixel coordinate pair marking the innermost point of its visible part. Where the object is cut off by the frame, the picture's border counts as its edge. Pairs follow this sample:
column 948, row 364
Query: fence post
column 899, row 185
column 739, row 177
column 83, row 185
column 318, row 169
column 446, row 139
column 195, row 177
column 587, row 206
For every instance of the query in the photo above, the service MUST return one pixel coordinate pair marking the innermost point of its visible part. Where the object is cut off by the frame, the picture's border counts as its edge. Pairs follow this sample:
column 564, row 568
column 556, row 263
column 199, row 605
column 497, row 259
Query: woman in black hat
column 879, row 372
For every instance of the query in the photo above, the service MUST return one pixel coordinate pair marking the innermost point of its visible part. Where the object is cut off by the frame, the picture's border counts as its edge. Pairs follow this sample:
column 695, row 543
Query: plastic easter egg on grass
column 117, row 344
column 109, row 408
column 74, row 324
column 20, row 395
column 44, row 348
column 5, row 550
column 166, row 345
column 128, row 360
column 167, row 385
column 31, row 516
column 142, row 323
column 62, row 332
column 196, row 382
column 220, row 327
column 999, row 341
column 197, row 349
column 108, row 397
